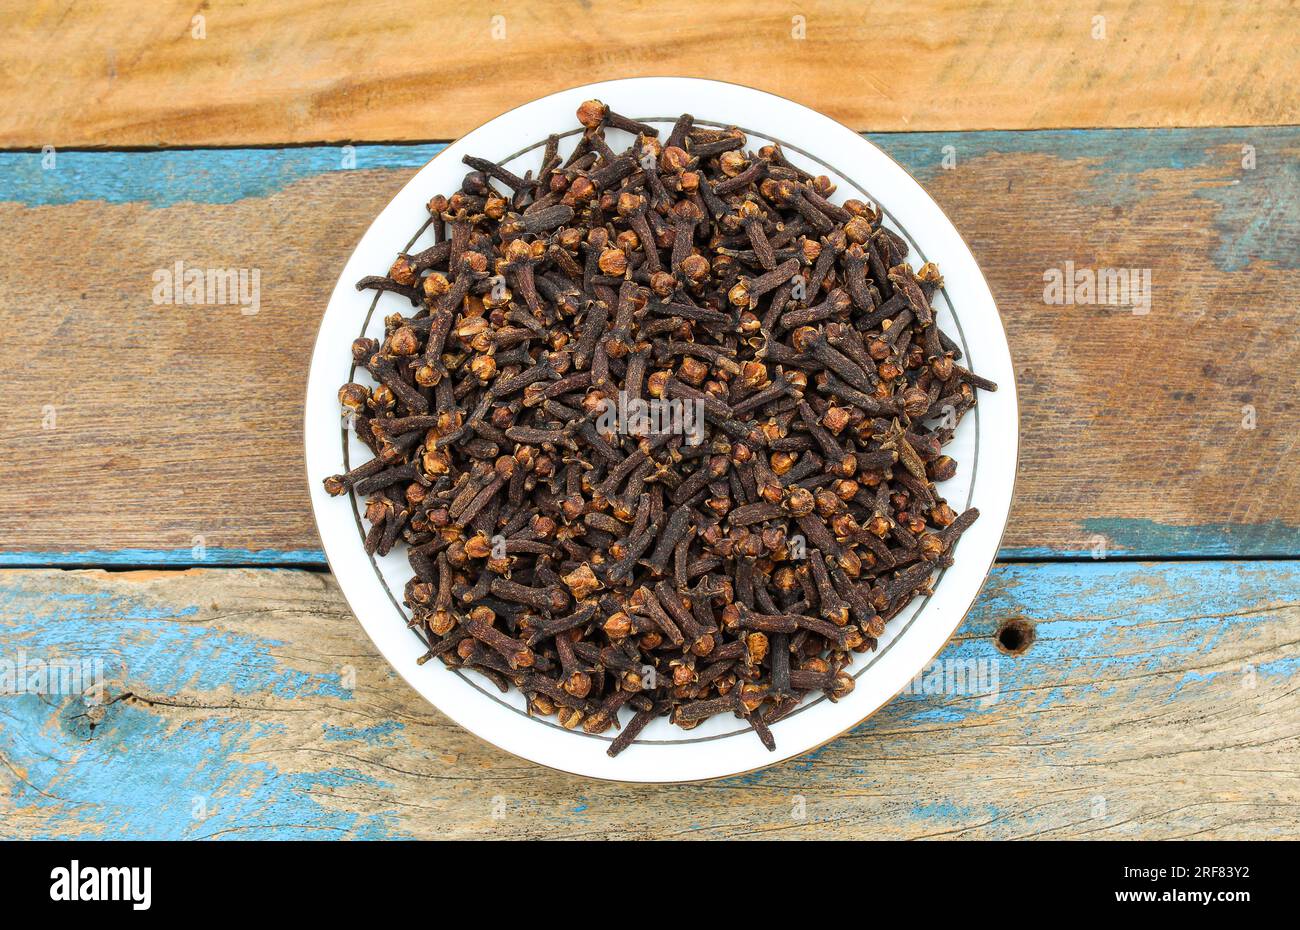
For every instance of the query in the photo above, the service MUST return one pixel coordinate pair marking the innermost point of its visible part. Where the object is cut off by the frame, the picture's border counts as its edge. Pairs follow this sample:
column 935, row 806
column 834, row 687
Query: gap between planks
column 13, row 561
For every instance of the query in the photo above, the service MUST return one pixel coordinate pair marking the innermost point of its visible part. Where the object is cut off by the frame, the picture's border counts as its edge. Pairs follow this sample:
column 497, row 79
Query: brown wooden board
column 1156, row 701
column 159, row 428
column 115, row 73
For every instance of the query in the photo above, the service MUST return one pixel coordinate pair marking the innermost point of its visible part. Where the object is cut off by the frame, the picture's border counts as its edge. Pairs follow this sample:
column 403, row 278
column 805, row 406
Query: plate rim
column 594, row 89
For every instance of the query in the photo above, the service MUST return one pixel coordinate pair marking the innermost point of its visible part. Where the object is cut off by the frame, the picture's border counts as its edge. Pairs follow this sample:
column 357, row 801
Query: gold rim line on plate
column 987, row 570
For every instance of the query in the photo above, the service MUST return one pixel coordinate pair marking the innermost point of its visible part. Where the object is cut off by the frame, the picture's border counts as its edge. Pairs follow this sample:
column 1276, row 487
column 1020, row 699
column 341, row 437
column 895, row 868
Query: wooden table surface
column 155, row 517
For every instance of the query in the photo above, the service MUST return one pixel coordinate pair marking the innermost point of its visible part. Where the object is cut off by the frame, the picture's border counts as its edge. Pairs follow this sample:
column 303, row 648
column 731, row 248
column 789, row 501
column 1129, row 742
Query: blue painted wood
column 227, row 717
column 166, row 178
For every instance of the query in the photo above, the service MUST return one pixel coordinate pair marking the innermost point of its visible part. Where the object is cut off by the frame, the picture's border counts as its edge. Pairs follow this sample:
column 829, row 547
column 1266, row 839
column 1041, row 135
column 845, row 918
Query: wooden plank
column 109, row 72
column 1157, row 701
column 175, row 433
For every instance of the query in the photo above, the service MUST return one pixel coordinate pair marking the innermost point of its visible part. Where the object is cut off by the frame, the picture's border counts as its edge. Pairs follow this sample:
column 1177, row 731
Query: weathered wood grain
column 110, row 72
column 174, row 432
column 1156, row 701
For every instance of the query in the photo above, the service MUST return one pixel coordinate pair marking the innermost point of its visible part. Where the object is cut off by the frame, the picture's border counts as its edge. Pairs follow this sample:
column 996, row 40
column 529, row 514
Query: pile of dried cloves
column 663, row 432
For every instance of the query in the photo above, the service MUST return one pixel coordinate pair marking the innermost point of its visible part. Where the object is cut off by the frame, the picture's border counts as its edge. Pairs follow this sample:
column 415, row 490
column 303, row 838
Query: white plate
column 985, row 445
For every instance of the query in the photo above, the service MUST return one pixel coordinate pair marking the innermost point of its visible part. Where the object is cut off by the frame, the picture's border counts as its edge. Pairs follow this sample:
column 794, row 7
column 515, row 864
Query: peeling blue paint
column 113, row 558
column 805, row 762
column 1285, row 667
column 134, row 640
column 135, row 779
column 1108, row 151
column 1126, row 536
column 166, row 178
column 1096, row 618
column 947, row 811
column 134, row 774
column 381, row 734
